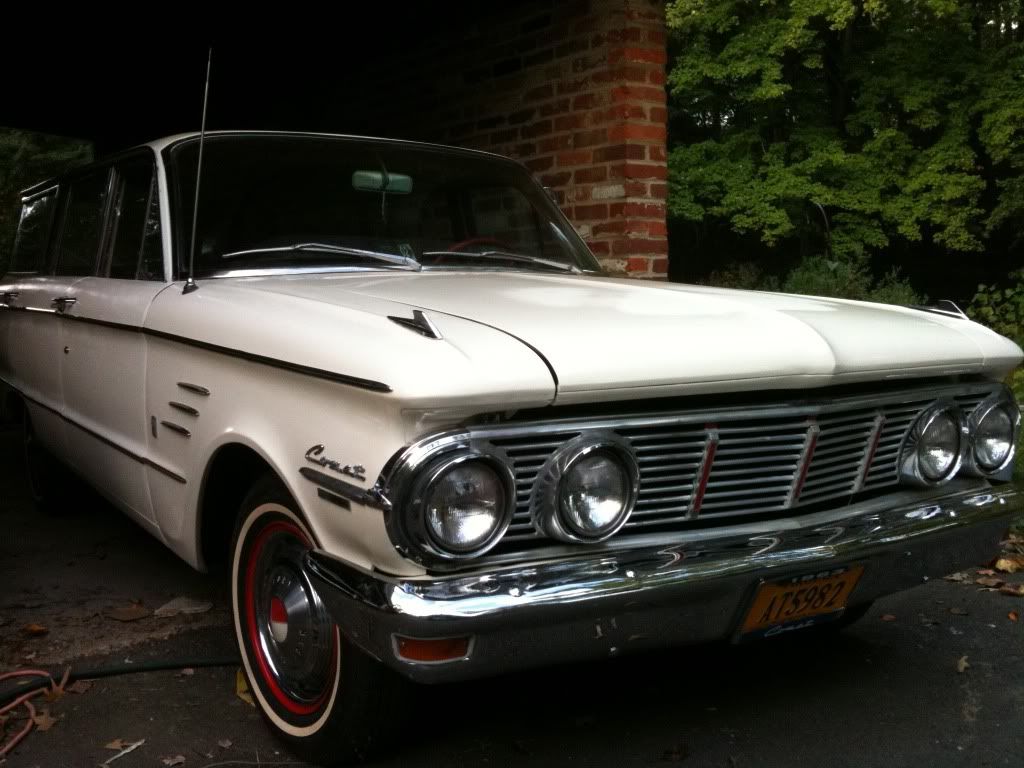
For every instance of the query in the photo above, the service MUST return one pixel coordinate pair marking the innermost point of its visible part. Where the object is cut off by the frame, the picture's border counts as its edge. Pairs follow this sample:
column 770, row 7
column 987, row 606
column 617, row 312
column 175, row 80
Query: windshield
column 282, row 202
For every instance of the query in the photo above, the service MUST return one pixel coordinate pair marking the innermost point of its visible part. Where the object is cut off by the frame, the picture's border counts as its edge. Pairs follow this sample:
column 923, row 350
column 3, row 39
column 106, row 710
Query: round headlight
column 594, row 495
column 938, row 448
column 934, row 447
column 993, row 428
column 586, row 490
column 466, row 506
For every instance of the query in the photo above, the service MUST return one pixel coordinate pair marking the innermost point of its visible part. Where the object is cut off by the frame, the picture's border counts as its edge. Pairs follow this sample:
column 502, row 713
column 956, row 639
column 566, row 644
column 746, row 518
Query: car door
column 104, row 361
column 30, row 333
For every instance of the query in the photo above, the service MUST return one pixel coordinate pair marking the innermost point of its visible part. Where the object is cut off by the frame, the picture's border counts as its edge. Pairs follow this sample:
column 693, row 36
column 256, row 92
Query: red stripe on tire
column 286, row 701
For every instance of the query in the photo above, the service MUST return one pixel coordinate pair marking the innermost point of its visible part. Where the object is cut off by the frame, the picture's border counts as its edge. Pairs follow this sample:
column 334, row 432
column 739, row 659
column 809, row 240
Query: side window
column 33, row 233
column 135, row 250
column 151, row 263
column 82, row 227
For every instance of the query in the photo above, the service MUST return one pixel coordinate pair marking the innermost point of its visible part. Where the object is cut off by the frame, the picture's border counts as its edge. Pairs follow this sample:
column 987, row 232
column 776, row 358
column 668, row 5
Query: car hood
column 609, row 338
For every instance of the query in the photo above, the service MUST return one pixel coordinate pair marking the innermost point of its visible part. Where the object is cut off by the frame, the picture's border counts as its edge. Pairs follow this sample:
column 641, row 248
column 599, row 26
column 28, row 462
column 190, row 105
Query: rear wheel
column 43, row 474
column 323, row 696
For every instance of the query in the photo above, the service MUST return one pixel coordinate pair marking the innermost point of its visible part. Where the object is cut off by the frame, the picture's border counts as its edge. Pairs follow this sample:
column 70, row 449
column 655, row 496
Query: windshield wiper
column 507, row 256
column 388, row 258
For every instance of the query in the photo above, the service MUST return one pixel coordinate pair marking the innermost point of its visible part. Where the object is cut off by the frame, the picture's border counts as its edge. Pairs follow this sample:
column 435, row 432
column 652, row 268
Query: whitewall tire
column 323, row 696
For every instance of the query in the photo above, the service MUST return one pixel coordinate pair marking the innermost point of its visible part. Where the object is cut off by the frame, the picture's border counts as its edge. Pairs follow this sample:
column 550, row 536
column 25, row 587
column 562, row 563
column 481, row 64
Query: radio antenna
column 190, row 283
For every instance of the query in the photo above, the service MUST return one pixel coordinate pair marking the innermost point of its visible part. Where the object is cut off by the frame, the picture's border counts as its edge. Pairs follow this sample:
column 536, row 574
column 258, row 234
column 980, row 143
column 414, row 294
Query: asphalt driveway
column 894, row 690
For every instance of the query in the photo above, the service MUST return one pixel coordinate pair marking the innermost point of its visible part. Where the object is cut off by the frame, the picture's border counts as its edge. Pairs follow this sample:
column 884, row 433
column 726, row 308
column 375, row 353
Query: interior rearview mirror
column 378, row 181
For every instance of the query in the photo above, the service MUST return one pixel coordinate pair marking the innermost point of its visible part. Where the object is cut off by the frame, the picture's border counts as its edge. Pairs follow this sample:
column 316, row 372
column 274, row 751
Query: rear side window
column 33, row 233
column 82, row 228
column 135, row 224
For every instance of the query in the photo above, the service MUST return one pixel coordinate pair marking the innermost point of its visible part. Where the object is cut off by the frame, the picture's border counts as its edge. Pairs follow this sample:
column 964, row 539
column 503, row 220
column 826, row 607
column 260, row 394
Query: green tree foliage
column 27, row 158
column 1001, row 308
column 836, row 129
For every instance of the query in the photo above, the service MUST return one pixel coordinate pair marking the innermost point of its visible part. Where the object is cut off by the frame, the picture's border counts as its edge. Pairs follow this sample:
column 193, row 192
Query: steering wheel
column 478, row 241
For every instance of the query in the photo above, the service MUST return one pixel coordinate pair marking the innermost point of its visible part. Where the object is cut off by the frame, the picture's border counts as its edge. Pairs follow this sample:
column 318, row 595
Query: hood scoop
column 419, row 323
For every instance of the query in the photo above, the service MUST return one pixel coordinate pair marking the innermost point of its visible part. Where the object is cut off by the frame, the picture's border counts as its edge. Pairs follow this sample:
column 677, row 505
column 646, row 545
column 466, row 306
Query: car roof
column 159, row 145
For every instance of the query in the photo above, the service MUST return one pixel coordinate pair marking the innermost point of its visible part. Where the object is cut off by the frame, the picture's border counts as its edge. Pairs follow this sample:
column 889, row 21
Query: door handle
column 63, row 302
column 9, row 296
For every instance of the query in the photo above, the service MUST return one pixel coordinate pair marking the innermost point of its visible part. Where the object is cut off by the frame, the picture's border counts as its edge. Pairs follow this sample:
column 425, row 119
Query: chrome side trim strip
column 40, row 310
column 194, row 388
column 102, row 438
column 305, row 370
column 176, row 428
column 368, row 498
column 333, row 499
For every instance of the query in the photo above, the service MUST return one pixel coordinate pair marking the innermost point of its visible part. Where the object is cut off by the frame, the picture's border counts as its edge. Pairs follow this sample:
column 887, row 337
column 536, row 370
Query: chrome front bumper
column 694, row 588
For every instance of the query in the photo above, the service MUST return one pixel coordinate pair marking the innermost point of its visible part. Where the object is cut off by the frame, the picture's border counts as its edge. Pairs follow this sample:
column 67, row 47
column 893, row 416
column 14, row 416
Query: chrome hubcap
column 296, row 635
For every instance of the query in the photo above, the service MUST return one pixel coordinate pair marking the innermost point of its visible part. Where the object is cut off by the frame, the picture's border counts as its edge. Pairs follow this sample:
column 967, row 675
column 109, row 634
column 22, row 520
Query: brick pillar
column 573, row 88
column 609, row 163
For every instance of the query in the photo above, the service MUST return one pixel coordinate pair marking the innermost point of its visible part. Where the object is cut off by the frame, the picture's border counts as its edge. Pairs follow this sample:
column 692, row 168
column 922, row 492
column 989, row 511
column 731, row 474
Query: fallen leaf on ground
column 1012, row 616
column 1010, row 563
column 986, row 572
column 962, row 665
column 181, row 605
column 888, row 617
column 224, row 743
column 176, row 760
column 960, row 577
column 117, row 744
column 132, row 612
column 990, row 581
column 80, row 686
column 56, row 690
column 958, row 611
column 242, row 689
column 34, row 630
column 1013, row 590
column 43, row 720
column 187, row 672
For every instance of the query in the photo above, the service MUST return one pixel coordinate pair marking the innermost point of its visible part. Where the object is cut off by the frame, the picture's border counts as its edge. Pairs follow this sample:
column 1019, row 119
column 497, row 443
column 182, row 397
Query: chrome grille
column 760, row 457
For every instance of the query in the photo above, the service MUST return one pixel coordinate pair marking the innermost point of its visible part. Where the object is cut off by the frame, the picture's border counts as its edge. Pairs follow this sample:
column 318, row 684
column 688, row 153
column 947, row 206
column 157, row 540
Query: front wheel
column 323, row 696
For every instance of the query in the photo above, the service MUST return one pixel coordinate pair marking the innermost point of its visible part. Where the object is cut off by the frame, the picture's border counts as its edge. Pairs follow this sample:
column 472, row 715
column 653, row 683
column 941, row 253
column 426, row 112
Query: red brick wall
column 576, row 90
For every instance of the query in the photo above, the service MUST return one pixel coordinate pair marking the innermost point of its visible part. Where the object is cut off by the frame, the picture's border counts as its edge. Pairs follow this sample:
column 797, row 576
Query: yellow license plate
column 800, row 602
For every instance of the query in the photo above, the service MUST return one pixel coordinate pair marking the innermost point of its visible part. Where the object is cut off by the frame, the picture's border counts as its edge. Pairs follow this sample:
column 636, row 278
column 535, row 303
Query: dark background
column 121, row 89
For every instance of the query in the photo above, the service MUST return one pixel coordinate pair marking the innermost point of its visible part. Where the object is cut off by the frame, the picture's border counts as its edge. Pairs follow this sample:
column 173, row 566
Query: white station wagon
column 427, row 437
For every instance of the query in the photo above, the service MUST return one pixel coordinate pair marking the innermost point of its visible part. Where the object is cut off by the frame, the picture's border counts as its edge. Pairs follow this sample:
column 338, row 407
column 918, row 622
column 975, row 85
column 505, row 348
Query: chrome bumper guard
column 692, row 589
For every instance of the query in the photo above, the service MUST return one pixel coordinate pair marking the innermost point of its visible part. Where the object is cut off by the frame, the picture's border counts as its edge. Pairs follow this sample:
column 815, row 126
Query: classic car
column 395, row 396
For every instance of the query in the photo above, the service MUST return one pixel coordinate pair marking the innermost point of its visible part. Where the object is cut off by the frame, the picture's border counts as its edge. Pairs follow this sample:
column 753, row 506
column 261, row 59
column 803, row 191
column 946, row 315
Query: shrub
column 1002, row 310
column 841, row 278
